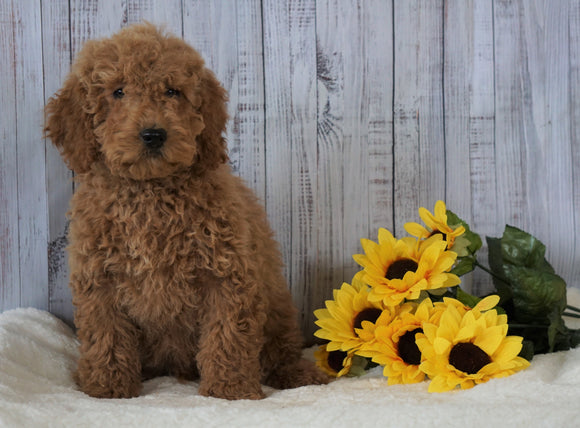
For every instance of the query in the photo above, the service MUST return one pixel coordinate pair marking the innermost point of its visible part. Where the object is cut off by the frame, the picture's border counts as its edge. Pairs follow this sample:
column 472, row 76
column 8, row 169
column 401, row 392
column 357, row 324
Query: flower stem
column 489, row 271
column 568, row 314
column 527, row 326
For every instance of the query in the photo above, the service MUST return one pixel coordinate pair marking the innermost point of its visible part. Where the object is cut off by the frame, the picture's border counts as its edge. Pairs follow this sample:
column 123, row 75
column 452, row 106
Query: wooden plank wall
column 346, row 116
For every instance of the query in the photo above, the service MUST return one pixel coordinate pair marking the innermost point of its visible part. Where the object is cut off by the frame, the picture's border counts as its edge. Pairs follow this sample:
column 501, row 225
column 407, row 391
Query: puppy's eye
column 172, row 93
column 118, row 94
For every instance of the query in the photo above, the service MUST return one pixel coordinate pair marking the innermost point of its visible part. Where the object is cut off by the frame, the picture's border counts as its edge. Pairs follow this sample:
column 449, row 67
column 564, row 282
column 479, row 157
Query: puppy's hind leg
column 281, row 358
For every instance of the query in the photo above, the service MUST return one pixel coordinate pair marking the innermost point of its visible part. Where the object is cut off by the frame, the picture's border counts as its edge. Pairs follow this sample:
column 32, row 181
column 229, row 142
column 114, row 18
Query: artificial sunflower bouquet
column 406, row 311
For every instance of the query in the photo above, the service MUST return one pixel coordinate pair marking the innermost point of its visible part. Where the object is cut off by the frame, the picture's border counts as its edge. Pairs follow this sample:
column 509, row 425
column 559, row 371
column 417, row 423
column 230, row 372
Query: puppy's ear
column 70, row 126
column 212, row 144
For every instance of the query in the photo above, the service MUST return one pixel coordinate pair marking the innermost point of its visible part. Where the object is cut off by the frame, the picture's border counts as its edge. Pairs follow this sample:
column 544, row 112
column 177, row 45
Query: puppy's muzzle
column 153, row 138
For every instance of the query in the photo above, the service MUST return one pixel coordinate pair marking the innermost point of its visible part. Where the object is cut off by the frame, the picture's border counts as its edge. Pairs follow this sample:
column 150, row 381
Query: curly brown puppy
column 174, row 269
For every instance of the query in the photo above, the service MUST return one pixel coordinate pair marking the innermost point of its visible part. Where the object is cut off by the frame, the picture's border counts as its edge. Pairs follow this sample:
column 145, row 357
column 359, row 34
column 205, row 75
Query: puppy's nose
column 153, row 138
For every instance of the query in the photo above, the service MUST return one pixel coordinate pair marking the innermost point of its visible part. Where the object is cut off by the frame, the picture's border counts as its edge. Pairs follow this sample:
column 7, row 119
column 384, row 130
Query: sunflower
column 399, row 269
column 333, row 363
column 345, row 314
column 468, row 347
column 437, row 225
column 394, row 345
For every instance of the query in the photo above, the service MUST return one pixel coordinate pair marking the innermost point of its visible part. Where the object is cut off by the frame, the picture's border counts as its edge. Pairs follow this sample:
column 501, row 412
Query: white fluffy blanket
column 38, row 354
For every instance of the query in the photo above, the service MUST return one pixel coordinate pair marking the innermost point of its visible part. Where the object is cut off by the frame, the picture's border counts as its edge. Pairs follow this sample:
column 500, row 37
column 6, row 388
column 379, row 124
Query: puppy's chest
column 156, row 248
column 159, row 234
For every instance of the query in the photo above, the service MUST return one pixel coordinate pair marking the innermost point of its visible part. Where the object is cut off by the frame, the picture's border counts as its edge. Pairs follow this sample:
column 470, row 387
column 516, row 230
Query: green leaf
column 574, row 338
column 359, row 366
column 463, row 266
column 558, row 333
column 466, row 298
column 522, row 249
column 496, row 265
column 527, row 351
column 475, row 240
column 535, row 293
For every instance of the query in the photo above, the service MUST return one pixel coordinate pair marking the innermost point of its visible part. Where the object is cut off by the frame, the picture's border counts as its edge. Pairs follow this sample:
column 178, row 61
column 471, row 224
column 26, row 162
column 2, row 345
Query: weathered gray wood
column 30, row 159
column 418, row 109
column 532, row 124
column 167, row 14
column 290, row 77
column 574, row 25
column 509, row 131
column 354, row 135
column 9, row 243
column 546, row 121
column 377, row 100
column 481, row 134
column 91, row 19
column 469, row 118
column 56, row 53
column 334, row 21
column 229, row 37
column 277, row 96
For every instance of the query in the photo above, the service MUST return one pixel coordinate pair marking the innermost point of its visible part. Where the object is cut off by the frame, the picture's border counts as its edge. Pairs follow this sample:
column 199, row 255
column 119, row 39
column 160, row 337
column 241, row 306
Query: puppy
column 174, row 270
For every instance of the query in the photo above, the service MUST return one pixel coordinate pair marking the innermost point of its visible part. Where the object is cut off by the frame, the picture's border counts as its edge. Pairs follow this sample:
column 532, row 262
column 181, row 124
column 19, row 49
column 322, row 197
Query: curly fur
column 174, row 269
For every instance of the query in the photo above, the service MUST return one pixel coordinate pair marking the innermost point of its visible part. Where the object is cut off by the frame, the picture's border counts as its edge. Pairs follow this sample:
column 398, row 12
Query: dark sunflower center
column 335, row 359
column 398, row 269
column 369, row 314
column 468, row 358
column 408, row 349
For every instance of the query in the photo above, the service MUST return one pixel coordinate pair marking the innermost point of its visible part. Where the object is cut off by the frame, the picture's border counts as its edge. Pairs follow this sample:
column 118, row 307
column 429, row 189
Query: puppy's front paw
column 107, row 382
column 294, row 375
column 232, row 390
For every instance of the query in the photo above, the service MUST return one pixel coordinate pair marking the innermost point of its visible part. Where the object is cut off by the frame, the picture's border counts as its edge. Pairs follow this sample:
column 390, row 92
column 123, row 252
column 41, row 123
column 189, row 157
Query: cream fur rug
column 38, row 354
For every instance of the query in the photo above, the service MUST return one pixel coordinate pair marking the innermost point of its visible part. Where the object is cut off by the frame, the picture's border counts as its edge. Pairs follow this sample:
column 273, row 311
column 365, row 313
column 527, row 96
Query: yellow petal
column 430, row 331
column 424, row 309
column 386, row 237
column 439, row 384
column 487, row 303
column 415, row 229
column 372, row 251
column 509, row 348
column 440, row 211
column 428, row 218
column 321, row 313
column 452, row 280
column 489, row 339
column 441, row 345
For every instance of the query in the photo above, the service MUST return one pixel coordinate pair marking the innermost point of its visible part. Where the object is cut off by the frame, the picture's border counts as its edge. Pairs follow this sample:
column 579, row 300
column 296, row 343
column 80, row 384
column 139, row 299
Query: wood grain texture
column 469, row 119
column 509, row 105
column 56, row 53
column 533, row 124
column 574, row 97
column 481, row 135
column 167, row 14
column 346, row 116
column 354, row 135
column 547, row 128
column 376, row 106
column 277, row 96
column 229, row 37
column 31, row 158
column 457, row 70
column 291, row 129
column 335, row 82
column 419, row 146
column 92, row 19
column 9, row 240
